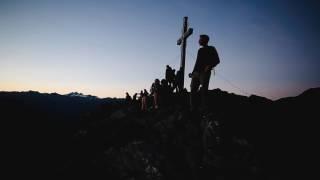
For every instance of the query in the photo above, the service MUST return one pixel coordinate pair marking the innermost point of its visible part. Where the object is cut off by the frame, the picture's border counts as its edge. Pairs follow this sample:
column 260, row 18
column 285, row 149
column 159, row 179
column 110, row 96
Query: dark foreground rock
column 240, row 137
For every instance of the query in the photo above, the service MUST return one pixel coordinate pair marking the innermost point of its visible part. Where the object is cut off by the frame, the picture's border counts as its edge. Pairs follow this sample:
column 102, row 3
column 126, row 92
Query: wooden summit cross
column 186, row 32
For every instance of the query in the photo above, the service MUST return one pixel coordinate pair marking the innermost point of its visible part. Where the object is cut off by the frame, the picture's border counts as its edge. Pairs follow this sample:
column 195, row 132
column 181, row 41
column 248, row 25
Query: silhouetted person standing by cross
column 207, row 59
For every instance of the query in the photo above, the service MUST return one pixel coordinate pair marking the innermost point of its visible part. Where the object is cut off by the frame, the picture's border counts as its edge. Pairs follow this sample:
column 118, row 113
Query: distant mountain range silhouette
column 76, row 135
column 65, row 107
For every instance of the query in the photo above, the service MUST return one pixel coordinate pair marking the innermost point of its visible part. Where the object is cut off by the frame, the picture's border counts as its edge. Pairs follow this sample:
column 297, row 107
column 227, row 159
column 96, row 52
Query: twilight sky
column 105, row 48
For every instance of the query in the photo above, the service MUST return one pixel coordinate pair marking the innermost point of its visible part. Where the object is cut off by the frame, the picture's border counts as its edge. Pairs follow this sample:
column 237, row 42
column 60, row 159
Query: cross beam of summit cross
column 186, row 32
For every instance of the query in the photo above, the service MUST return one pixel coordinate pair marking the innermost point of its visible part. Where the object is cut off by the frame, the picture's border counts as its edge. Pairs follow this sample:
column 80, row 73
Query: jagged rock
column 133, row 161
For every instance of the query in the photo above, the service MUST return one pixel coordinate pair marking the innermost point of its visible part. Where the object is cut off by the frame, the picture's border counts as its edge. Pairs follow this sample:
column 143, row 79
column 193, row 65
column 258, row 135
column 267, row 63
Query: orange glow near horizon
column 119, row 92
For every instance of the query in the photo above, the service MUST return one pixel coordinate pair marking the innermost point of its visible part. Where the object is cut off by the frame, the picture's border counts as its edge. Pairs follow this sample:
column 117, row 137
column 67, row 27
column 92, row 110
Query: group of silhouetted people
column 159, row 95
column 161, row 91
column 174, row 79
column 141, row 98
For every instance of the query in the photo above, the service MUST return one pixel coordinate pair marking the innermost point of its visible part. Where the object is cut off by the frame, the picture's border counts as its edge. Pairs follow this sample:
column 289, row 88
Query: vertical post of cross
column 182, row 41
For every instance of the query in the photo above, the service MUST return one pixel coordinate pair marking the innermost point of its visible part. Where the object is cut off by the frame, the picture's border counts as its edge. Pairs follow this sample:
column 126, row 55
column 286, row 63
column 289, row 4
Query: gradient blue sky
column 104, row 48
